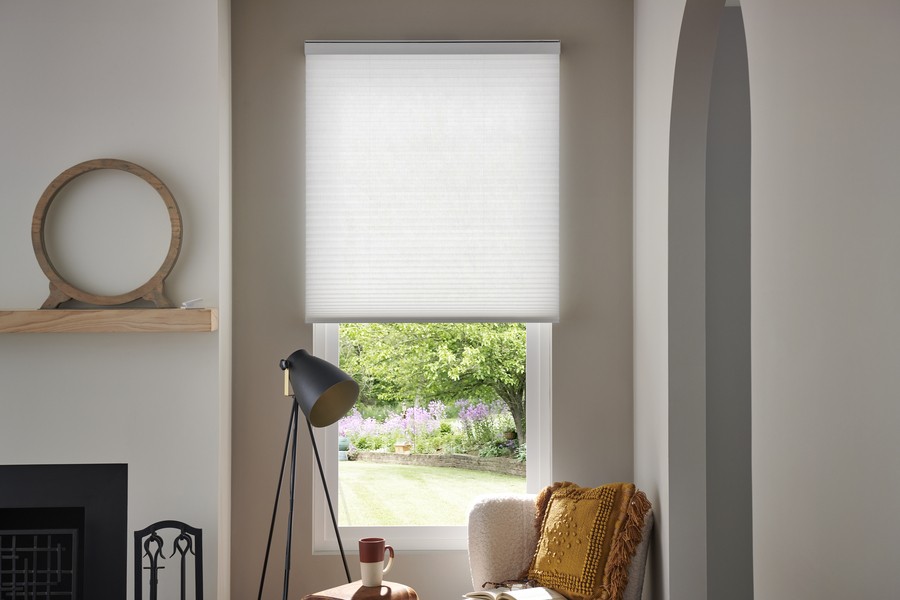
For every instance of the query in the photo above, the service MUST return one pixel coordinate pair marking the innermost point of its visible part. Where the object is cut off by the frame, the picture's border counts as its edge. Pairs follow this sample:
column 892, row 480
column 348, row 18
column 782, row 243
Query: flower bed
column 477, row 428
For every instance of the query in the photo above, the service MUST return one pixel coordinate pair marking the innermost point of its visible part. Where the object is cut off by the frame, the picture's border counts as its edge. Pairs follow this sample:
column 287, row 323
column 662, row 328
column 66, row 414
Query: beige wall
column 592, row 381
column 145, row 83
column 824, row 90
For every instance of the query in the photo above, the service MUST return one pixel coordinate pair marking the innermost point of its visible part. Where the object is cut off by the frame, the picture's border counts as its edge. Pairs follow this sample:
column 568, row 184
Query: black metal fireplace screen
column 39, row 564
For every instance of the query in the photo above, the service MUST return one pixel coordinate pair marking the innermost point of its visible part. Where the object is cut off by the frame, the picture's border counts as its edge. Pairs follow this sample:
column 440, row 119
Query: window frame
column 538, row 411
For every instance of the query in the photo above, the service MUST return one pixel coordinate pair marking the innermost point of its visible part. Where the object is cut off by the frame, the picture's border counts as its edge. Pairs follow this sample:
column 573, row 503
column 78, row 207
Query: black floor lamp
column 324, row 394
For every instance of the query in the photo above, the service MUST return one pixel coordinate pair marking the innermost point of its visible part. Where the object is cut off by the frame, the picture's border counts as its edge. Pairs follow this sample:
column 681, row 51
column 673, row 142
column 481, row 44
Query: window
column 538, row 464
column 432, row 195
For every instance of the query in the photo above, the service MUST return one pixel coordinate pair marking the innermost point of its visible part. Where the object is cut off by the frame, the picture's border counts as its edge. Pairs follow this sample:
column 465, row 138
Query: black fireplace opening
column 63, row 532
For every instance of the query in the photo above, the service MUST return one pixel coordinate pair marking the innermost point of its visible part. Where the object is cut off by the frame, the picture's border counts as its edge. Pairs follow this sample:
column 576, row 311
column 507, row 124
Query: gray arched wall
column 824, row 84
column 674, row 49
column 729, row 507
column 687, row 298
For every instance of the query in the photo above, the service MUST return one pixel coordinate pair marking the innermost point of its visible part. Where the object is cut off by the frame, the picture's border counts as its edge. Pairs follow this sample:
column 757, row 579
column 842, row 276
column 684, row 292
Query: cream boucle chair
column 503, row 538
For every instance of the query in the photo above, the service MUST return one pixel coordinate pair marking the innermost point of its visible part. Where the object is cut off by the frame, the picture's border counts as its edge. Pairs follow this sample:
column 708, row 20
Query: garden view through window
column 440, row 420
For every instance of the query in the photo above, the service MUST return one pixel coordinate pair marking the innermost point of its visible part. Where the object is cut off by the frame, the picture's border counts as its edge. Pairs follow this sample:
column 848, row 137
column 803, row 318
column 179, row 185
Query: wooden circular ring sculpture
column 60, row 289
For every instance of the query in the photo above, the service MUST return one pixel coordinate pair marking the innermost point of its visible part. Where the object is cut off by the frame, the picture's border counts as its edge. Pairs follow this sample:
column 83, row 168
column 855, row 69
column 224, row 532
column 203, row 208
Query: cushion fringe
column 623, row 549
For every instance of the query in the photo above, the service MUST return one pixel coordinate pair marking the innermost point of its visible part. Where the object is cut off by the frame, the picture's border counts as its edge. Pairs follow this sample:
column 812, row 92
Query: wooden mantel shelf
column 110, row 320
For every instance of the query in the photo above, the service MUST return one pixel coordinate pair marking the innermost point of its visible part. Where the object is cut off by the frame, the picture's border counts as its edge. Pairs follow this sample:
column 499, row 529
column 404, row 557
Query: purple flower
column 470, row 413
column 437, row 410
column 354, row 424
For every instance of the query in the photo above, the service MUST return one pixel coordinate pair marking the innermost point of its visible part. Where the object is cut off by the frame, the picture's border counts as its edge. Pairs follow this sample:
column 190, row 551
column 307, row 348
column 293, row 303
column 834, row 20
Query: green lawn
column 382, row 494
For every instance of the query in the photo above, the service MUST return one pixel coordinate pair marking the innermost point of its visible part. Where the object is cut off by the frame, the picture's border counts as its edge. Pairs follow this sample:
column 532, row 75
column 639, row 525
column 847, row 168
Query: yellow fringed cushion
column 578, row 532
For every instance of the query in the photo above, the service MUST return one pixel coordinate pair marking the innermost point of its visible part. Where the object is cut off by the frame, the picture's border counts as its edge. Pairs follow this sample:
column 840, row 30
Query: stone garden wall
column 504, row 466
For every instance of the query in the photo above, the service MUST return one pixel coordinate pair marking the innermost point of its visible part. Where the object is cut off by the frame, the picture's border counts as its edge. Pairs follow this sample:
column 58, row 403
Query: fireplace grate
column 38, row 564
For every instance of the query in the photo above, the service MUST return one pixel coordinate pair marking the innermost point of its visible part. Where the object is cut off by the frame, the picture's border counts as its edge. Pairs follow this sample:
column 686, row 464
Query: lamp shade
column 323, row 392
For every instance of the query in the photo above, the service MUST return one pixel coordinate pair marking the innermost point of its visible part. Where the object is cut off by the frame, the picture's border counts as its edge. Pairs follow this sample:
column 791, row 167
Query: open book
column 537, row 593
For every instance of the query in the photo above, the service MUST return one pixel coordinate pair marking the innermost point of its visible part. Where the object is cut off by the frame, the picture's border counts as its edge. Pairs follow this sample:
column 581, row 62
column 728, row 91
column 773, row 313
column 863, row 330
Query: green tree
column 394, row 362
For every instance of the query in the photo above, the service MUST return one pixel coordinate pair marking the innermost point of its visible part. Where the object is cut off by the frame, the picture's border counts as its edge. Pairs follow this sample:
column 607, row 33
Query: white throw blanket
column 502, row 537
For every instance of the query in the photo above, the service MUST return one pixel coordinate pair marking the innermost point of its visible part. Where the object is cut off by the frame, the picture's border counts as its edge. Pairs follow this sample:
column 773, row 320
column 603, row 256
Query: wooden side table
column 389, row 590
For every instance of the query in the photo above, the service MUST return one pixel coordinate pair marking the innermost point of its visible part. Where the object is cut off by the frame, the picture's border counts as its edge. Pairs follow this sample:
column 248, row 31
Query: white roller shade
column 432, row 181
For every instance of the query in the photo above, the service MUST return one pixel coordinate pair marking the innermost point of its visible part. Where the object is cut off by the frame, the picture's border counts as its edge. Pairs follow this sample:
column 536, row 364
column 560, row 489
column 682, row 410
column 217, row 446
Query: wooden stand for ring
column 60, row 289
column 355, row 591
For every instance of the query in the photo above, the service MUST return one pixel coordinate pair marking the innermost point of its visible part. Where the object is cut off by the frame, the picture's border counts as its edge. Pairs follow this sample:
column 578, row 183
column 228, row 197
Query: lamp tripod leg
column 290, row 531
column 292, row 429
column 337, row 533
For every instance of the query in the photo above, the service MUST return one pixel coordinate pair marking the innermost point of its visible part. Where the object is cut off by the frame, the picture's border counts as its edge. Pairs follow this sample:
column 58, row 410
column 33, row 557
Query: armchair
column 503, row 539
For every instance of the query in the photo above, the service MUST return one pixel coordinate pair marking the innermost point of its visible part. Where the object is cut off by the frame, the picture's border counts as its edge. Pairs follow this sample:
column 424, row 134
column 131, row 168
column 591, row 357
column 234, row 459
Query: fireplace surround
column 68, row 523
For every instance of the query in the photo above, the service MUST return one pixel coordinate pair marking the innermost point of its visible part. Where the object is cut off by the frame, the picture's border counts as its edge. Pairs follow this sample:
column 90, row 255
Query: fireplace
column 63, row 532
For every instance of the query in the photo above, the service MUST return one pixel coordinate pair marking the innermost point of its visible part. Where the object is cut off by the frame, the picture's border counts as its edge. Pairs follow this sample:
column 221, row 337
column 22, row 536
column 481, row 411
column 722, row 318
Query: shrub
column 499, row 448
column 484, row 424
column 521, row 452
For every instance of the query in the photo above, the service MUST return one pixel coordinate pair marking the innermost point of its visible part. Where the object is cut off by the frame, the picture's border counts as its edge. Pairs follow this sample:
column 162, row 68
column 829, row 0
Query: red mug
column 371, row 560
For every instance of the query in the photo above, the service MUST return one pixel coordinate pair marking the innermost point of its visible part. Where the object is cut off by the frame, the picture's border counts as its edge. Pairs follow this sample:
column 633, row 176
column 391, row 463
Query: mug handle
column 389, row 550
